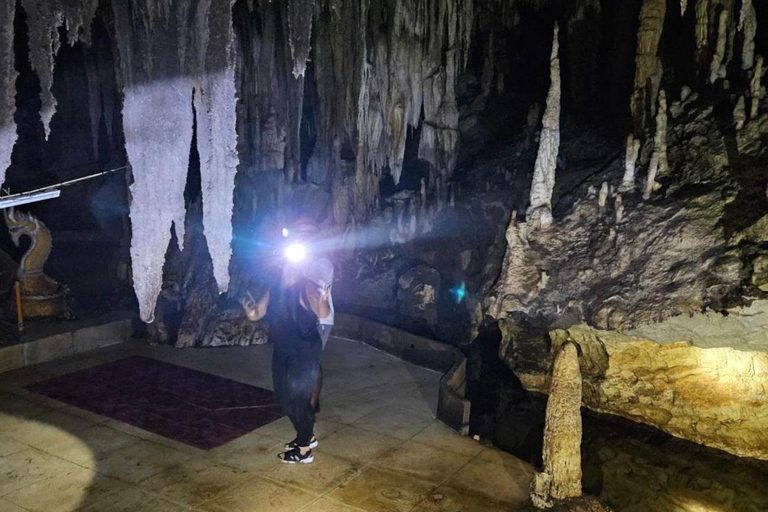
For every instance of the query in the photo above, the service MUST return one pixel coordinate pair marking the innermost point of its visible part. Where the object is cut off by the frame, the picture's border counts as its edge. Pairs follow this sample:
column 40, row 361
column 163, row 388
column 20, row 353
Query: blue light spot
column 459, row 292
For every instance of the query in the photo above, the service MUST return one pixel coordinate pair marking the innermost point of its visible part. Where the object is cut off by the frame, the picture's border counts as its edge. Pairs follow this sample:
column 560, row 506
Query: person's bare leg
column 315, row 400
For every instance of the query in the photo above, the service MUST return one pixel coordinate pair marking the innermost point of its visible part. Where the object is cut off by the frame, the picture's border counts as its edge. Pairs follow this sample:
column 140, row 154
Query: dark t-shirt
column 292, row 328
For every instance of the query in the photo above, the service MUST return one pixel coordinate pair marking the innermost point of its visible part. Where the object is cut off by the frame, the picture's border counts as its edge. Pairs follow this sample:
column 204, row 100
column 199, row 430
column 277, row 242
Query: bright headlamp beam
column 295, row 253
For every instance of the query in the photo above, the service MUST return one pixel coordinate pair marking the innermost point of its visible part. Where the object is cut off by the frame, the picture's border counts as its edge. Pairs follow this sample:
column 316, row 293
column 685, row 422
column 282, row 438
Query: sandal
column 312, row 444
column 295, row 457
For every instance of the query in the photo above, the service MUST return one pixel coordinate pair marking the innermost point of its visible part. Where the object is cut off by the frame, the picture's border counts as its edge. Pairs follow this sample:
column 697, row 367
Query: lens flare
column 295, row 253
column 285, row 233
column 459, row 292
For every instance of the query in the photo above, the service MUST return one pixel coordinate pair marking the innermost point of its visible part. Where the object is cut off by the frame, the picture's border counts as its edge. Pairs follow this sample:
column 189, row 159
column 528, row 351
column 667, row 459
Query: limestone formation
column 683, row 7
column 7, row 87
column 300, row 14
column 540, row 209
column 215, row 101
column 648, row 68
column 618, row 208
column 562, row 431
column 659, row 164
column 630, row 158
column 44, row 17
column 748, row 26
column 756, row 89
column 717, row 69
column 602, row 198
column 714, row 396
column 739, row 113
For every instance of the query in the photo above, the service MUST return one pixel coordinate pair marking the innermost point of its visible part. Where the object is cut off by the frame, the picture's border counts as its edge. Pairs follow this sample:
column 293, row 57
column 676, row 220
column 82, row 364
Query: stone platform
column 381, row 448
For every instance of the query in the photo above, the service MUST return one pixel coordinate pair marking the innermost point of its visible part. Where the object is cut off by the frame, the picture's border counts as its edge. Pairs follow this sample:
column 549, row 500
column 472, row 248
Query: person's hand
column 325, row 292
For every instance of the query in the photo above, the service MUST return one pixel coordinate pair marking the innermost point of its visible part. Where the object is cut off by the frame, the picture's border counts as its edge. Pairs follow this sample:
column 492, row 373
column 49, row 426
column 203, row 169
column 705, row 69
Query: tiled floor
column 380, row 447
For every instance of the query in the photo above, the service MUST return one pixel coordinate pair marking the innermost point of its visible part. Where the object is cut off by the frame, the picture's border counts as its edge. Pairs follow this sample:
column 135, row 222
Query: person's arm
column 255, row 310
column 324, row 304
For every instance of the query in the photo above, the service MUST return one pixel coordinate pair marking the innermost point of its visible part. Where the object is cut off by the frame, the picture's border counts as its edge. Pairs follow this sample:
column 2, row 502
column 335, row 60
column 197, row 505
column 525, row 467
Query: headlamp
column 295, row 253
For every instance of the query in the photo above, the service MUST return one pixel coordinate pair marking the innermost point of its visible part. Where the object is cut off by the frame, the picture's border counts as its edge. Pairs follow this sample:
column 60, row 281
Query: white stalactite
column 44, row 17
column 215, row 102
column 300, row 14
column 716, row 69
column 659, row 164
column 630, row 159
column 602, row 198
column 8, row 76
column 540, row 209
column 647, row 62
column 740, row 113
column 755, row 87
column 683, row 7
column 748, row 25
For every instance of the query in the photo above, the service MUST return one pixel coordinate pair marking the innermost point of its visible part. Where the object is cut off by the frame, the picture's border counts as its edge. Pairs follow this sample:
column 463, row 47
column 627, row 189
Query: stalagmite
column 561, row 477
column 748, row 25
column 44, row 17
column 716, row 69
column 618, row 208
column 739, row 113
column 630, row 159
column 602, row 198
column 7, row 87
column 659, row 164
column 215, row 102
column 647, row 62
column 300, row 14
column 540, row 209
column 756, row 89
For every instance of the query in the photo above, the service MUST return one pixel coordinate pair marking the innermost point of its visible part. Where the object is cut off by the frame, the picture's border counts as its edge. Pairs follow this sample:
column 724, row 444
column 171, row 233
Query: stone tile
column 67, row 365
column 282, row 429
column 7, row 506
column 96, row 419
column 499, row 482
column 423, row 462
column 48, row 349
column 194, row 481
column 262, row 495
column 441, row 436
column 9, row 446
column 151, row 436
column 377, row 490
column 140, row 460
column 495, row 456
column 91, row 445
column 357, row 445
column 252, row 452
column 131, row 500
column 395, row 421
column 49, row 429
column 11, row 358
column 99, row 336
column 322, row 505
column 348, row 409
column 21, row 407
column 63, row 493
column 446, row 499
column 30, row 396
column 27, row 467
column 324, row 474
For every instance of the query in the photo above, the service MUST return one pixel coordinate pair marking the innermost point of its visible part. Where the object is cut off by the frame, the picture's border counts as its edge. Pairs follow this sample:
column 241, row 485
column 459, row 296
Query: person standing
column 292, row 311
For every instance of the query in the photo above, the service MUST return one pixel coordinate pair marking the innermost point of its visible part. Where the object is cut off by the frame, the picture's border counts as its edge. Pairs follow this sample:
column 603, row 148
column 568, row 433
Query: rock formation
column 7, row 87
column 630, row 159
column 748, row 27
column 659, row 165
column 648, row 64
column 540, row 209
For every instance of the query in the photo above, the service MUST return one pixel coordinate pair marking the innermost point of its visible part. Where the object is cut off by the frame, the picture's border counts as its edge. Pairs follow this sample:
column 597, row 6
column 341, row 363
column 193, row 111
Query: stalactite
column 659, row 164
column 8, row 76
column 562, row 432
column 300, row 14
column 630, row 159
column 748, row 25
column 618, row 207
column 702, row 30
column 215, row 101
column 717, row 69
column 739, row 113
column 44, row 17
column 648, row 64
column 540, row 209
column 755, row 88
column 683, row 7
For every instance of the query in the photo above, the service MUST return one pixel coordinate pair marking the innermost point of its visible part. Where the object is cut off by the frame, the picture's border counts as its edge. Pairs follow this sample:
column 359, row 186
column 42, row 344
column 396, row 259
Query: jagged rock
column 419, row 289
column 8, row 76
column 713, row 396
column 760, row 272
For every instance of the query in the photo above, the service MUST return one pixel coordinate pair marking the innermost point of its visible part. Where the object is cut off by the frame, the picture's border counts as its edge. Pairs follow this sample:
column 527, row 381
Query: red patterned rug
column 190, row 406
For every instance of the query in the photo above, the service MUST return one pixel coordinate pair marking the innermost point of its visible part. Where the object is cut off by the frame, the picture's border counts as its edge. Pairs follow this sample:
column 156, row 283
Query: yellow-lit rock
column 713, row 396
